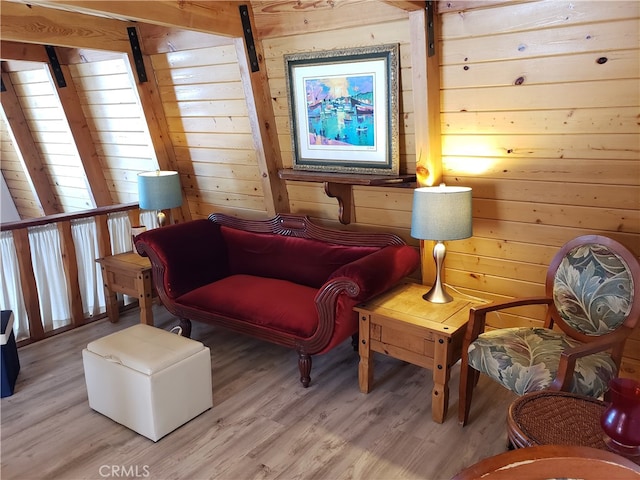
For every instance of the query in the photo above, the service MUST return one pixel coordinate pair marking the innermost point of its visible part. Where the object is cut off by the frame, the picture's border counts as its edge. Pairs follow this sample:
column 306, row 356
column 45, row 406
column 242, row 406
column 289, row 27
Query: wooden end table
column 128, row 273
column 401, row 324
column 557, row 418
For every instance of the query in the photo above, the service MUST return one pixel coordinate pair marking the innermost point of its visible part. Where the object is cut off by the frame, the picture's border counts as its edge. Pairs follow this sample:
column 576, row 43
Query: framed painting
column 343, row 109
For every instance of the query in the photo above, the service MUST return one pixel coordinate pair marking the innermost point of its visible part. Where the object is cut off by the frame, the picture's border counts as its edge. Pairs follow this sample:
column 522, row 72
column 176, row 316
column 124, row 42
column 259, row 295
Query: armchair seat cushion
column 526, row 359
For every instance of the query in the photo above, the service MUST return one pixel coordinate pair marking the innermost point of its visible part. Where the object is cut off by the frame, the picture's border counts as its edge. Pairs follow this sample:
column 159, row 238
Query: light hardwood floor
column 263, row 425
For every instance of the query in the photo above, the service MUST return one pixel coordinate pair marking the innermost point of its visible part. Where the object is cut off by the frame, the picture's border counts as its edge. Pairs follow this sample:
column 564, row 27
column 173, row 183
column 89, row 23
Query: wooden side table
column 128, row 273
column 401, row 324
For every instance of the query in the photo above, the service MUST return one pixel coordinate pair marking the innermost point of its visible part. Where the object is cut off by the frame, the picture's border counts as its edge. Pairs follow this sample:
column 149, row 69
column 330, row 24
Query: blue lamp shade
column 159, row 190
column 441, row 213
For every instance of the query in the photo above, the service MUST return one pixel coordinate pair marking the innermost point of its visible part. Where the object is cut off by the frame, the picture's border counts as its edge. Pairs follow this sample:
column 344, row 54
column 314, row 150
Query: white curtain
column 46, row 258
column 11, row 297
column 149, row 219
column 85, row 239
column 119, row 232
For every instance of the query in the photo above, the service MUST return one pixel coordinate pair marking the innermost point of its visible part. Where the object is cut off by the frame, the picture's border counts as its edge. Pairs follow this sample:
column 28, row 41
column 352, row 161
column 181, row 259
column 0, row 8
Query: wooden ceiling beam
column 31, row 52
column 275, row 19
column 27, row 149
column 27, row 52
column 155, row 39
column 212, row 16
column 444, row 6
column 25, row 23
column 407, row 5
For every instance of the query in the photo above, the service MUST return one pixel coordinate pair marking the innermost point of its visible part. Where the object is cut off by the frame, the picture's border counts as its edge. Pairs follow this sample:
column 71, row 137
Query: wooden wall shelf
column 338, row 185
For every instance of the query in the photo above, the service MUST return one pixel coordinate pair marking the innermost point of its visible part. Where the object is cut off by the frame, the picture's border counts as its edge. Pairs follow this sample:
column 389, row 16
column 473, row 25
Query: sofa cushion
column 259, row 300
column 300, row 260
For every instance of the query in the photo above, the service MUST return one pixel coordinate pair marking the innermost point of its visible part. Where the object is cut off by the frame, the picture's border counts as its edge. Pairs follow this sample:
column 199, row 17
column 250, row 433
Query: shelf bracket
column 343, row 193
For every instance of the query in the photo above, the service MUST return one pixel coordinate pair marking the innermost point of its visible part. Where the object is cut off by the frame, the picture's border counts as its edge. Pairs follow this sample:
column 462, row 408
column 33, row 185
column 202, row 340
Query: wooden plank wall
column 533, row 119
column 52, row 138
column 18, row 183
column 206, row 110
column 539, row 117
column 329, row 27
column 110, row 102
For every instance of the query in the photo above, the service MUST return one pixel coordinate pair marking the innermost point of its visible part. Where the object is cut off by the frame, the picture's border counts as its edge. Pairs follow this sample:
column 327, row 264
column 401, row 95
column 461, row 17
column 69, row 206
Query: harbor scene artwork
column 341, row 111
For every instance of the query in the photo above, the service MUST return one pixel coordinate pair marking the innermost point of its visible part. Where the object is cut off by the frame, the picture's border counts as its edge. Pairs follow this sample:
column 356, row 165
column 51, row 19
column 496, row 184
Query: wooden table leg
column 145, row 297
column 365, row 367
column 111, row 298
column 441, row 374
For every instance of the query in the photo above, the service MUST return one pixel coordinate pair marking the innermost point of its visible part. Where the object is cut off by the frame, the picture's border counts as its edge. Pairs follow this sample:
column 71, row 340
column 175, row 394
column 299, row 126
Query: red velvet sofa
column 285, row 280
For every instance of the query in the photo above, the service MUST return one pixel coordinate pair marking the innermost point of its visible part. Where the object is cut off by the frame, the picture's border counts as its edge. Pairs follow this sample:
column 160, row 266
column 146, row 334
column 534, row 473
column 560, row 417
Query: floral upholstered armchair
column 592, row 296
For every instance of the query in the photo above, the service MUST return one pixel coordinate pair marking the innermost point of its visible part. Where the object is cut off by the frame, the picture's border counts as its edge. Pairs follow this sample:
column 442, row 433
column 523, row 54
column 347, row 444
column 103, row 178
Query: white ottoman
column 148, row 379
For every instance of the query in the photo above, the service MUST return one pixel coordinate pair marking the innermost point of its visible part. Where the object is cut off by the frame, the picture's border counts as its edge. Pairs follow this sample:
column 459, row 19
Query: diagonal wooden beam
column 263, row 126
column 94, row 174
column 149, row 95
column 34, row 167
column 21, row 22
column 219, row 17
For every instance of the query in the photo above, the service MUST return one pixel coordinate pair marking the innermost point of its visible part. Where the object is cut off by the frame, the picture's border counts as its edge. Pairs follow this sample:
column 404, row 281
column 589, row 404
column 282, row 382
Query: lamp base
column 162, row 218
column 437, row 294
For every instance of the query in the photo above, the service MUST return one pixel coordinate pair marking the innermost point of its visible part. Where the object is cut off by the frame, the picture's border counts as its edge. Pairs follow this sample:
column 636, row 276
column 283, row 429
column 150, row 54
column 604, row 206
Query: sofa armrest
column 354, row 283
column 184, row 256
column 378, row 272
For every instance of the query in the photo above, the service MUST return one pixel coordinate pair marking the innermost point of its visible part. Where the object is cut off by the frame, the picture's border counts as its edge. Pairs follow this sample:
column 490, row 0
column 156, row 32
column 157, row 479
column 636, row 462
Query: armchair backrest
column 595, row 285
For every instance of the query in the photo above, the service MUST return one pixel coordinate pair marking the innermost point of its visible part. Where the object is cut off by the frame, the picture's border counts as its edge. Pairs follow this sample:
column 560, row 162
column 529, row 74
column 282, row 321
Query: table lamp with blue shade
column 441, row 213
column 159, row 190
